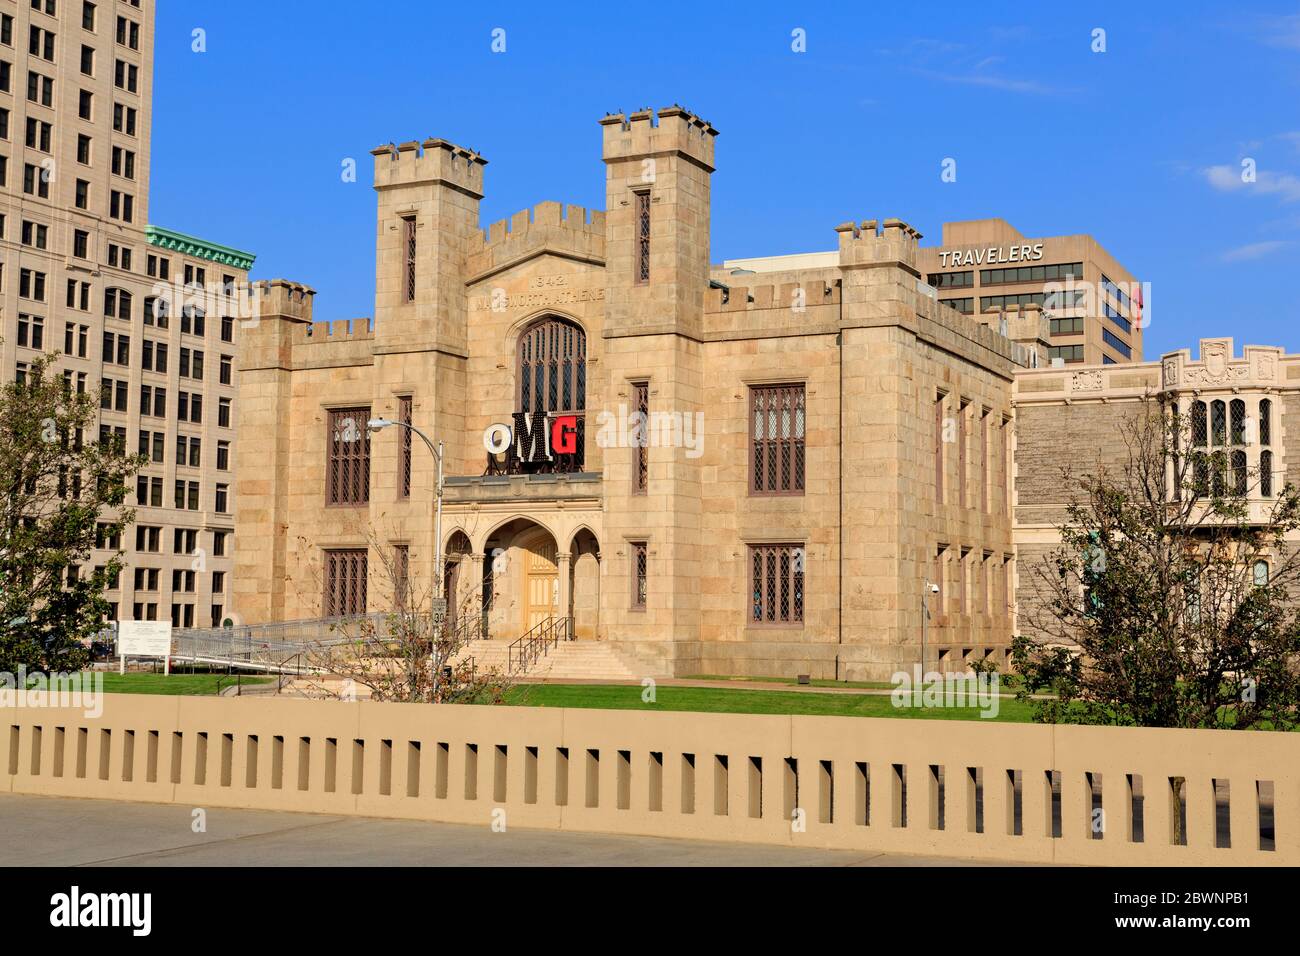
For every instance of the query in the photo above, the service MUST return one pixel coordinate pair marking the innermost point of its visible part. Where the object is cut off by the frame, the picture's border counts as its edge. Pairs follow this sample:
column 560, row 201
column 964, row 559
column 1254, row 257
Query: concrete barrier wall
column 952, row 788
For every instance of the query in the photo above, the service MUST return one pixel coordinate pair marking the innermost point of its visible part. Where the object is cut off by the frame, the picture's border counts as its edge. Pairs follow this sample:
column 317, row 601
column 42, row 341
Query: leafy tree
column 1168, row 601
column 61, row 488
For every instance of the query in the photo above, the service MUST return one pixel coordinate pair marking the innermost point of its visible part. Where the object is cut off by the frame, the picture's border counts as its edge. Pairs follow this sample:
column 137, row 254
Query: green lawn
column 718, row 701
column 188, row 684
column 794, row 682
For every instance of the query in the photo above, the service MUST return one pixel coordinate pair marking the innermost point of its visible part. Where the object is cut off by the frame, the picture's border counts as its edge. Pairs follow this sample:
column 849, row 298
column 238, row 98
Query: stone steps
column 568, row 660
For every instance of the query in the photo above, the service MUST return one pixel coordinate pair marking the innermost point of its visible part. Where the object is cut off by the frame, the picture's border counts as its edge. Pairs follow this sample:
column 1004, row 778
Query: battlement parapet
column 872, row 243
column 793, row 296
column 435, row 161
column 645, row 133
column 338, row 330
column 291, row 300
column 575, row 233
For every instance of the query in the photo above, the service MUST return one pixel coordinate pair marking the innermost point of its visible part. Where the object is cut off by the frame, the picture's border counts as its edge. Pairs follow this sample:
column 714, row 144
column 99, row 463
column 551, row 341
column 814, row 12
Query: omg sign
column 533, row 437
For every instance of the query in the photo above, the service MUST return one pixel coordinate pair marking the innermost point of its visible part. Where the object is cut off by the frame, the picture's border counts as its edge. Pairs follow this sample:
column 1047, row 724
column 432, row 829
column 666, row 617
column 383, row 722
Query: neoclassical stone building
column 714, row 470
column 1247, row 406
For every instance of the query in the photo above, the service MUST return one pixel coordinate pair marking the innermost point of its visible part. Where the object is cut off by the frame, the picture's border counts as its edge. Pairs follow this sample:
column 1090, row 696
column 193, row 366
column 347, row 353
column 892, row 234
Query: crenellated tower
column 658, row 167
column 426, row 215
column 657, row 220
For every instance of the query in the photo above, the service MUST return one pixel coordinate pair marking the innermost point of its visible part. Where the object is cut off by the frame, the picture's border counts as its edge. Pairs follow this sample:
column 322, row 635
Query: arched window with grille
column 1265, row 421
column 1200, row 437
column 552, row 363
column 1260, row 572
column 1218, row 423
column 1238, row 472
column 1238, row 412
column 1266, row 474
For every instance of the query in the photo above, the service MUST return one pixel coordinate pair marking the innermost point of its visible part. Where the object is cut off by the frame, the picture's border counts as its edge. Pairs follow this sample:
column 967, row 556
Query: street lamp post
column 926, row 590
column 374, row 425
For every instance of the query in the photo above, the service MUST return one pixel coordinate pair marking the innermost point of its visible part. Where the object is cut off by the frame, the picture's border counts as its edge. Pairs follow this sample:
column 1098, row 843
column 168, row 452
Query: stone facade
column 895, row 389
column 1073, row 417
column 74, row 208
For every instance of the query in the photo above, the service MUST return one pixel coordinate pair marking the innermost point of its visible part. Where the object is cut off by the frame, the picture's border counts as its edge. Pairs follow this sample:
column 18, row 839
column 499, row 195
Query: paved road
column 57, row 831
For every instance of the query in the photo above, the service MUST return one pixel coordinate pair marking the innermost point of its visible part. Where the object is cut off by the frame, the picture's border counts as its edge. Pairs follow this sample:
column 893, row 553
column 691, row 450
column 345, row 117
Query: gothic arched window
column 1238, row 412
column 553, row 367
column 1239, row 472
column 552, row 363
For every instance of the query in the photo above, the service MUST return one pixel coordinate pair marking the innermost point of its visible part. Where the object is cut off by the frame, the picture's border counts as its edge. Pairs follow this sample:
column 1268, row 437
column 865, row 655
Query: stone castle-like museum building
column 714, row 470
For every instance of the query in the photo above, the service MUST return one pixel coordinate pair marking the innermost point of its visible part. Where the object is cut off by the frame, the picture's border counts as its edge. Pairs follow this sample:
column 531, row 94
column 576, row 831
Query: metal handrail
column 538, row 641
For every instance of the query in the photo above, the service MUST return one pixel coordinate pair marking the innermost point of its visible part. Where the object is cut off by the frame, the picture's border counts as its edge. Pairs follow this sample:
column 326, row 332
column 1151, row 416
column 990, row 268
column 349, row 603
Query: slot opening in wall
column 60, row 735
column 898, row 808
column 201, row 759
column 862, row 794
column 655, row 781
column 825, row 791
column 471, row 772
column 277, row 762
column 623, row 781
column 174, row 772
column 935, row 804
column 227, row 758
column 530, row 775
column 151, row 758
column 1265, row 809
column 385, row 768
column 1177, row 811
column 83, row 746
column 593, row 779
column 105, row 752
column 441, row 763
column 500, row 769
column 331, row 762
column 721, row 785
column 35, row 764
column 413, row 768
column 561, row 776
column 250, row 761
column 688, row 783
column 358, row 766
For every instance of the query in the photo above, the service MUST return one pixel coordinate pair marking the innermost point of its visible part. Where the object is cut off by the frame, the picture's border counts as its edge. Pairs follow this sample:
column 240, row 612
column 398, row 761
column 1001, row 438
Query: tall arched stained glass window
column 552, row 362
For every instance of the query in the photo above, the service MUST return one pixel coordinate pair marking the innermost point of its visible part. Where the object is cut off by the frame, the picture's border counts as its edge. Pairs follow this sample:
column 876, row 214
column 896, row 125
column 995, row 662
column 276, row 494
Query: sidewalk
column 59, row 831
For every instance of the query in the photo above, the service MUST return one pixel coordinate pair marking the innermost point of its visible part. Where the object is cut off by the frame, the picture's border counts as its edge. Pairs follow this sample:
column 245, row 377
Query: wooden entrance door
column 541, row 582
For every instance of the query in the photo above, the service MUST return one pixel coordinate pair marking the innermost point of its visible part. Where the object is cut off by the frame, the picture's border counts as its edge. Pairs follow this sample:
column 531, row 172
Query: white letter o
column 497, row 438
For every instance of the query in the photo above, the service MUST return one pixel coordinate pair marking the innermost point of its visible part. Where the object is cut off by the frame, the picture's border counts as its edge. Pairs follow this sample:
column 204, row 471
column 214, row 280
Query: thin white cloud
column 1005, row 84
column 1228, row 179
column 1283, row 31
column 1254, row 250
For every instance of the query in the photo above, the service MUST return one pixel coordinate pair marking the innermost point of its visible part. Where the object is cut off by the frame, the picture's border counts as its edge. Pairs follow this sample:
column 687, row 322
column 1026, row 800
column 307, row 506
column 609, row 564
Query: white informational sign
column 144, row 639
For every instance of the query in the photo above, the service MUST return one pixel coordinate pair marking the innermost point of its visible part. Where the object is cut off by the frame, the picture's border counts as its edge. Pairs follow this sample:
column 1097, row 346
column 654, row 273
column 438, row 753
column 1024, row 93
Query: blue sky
column 1142, row 146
